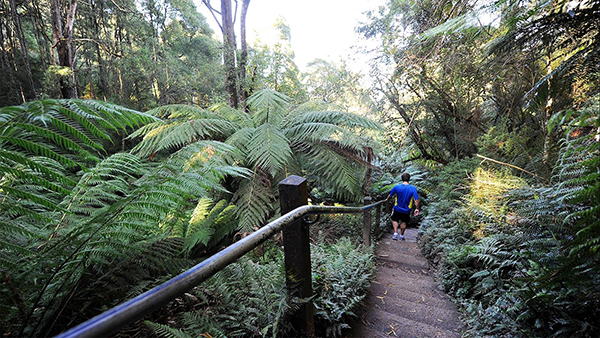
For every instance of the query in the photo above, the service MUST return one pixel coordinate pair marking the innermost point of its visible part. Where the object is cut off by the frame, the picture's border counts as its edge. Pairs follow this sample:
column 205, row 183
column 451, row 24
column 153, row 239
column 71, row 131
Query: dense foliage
column 492, row 106
column 274, row 139
column 522, row 259
column 83, row 228
column 136, row 53
column 87, row 225
column 249, row 299
column 506, row 99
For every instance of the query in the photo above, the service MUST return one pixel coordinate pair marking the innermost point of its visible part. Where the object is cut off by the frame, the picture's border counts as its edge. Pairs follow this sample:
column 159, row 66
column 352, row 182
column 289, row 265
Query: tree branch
column 507, row 164
column 212, row 12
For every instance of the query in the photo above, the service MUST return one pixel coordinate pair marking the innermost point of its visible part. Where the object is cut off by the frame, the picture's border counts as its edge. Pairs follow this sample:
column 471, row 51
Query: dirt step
column 406, row 263
column 413, row 279
column 411, row 293
column 381, row 323
column 404, row 300
column 422, row 313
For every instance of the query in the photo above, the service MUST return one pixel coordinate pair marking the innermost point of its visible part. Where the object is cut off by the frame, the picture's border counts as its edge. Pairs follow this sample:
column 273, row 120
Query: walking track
column 404, row 299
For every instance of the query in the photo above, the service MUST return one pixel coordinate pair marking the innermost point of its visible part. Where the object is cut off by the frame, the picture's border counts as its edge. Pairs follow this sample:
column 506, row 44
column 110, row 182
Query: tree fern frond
column 47, row 168
column 28, row 177
column 336, row 171
column 254, row 203
column 184, row 125
column 241, row 138
column 268, row 106
column 38, row 149
column 113, row 116
column 62, row 141
column 198, row 215
column 165, row 331
column 241, row 118
column 269, row 149
column 338, row 118
column 311, row 131
column 86, row 121
column 37, row 200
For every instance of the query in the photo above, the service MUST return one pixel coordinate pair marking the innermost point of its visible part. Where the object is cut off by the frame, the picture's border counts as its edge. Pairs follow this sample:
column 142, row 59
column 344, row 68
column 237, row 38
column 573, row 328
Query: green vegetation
column 249, row 299
column 133, row 145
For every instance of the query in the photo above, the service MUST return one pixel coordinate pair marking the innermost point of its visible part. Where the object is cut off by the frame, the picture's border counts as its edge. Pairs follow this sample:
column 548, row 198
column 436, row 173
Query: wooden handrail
column 113, row 320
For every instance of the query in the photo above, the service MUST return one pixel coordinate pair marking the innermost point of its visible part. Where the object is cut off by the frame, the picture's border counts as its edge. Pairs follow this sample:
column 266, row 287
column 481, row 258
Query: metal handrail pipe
column 121, row 315
column 371, row 206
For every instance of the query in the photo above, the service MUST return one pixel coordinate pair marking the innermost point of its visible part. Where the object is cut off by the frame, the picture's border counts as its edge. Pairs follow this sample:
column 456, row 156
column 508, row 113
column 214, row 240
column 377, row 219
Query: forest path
column 404, row 300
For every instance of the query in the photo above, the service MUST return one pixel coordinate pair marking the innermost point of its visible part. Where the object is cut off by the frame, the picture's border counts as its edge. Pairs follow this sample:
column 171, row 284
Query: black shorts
column 400, row 217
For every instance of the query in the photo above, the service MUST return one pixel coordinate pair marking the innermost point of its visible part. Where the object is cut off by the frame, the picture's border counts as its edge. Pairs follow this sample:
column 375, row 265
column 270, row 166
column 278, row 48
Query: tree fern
column 81, row 229
column 269, row 149
column 578, row 177
column 254, row 201
column 271, row 141
column 208, row 223
column 165, row 331
column 268, row 106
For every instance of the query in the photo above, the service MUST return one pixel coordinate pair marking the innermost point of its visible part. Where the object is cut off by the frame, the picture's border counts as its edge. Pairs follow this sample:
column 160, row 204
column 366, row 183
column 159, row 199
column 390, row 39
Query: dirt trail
column 404, row 300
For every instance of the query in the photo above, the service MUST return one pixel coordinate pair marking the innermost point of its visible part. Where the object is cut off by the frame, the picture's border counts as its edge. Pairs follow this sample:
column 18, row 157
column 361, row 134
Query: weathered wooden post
column 367, row 223
column 293, row 193
column 377, row 221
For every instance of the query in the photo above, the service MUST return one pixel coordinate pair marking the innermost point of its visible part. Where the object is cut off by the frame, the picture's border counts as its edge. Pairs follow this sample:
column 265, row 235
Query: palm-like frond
column 181, row 126
column 268, row 106
column 208, row 223
column 270, row 140
column 254, row 202
column 165, row 331
column 269, row 149
column 336, row 171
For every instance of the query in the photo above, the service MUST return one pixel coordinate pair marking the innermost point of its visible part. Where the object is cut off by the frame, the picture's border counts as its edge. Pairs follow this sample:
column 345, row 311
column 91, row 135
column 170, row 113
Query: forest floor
column 404, row 300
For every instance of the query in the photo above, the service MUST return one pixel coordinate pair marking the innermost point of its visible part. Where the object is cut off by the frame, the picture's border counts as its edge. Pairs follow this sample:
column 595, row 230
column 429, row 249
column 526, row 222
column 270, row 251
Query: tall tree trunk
column 96, row 31
column 244, row 92
column 6, row 64
column 229, row 49
column 63, row 42
column 42, row 39
column 392, row 95
column 25, row 54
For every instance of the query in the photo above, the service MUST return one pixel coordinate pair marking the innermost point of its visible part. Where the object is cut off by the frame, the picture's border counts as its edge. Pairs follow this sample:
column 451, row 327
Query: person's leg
column 395, row 218
column 404, row 219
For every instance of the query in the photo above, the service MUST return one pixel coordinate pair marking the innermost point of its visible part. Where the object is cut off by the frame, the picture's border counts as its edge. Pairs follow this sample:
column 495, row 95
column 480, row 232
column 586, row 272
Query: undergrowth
column 249, row 299
column 521, row 260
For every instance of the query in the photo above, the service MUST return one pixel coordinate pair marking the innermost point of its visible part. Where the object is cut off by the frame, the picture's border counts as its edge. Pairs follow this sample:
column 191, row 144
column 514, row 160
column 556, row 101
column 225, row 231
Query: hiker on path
column 405, row 196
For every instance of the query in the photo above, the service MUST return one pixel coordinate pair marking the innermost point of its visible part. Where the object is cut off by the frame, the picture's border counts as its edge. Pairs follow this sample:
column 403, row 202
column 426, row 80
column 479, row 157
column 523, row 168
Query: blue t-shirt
column 405, row 195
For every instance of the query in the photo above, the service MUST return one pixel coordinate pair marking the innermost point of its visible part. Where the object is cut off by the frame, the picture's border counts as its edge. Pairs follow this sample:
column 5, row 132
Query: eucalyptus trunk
column 229, row 48
column 24, row 53
column 62, row 33
column 244, row 93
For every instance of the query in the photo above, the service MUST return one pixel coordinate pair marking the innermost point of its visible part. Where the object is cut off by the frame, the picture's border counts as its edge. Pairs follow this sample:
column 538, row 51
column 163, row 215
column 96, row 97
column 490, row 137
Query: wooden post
column 377, row 221
column 367, row 223
column 293, row 193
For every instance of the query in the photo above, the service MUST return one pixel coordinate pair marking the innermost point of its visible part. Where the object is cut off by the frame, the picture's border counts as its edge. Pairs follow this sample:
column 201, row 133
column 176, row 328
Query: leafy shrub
column 523, row 261
column 341, row 277
column 249, row 299
column 246, row 299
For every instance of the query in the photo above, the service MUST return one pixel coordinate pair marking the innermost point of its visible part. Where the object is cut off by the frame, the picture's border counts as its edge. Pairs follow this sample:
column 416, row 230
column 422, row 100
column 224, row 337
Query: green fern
column 81, row 231
column 208, row 224
column 274, row 140
column 165, row 331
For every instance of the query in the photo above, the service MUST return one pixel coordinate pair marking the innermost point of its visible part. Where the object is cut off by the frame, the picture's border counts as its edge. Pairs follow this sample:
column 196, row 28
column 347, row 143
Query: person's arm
column 417, row 208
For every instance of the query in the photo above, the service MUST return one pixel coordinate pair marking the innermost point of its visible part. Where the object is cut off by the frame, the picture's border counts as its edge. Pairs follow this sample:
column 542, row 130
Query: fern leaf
column 269, row 149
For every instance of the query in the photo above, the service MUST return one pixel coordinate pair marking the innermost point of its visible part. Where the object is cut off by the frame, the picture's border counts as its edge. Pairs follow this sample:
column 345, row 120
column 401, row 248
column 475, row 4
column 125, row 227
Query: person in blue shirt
column 405, row 196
